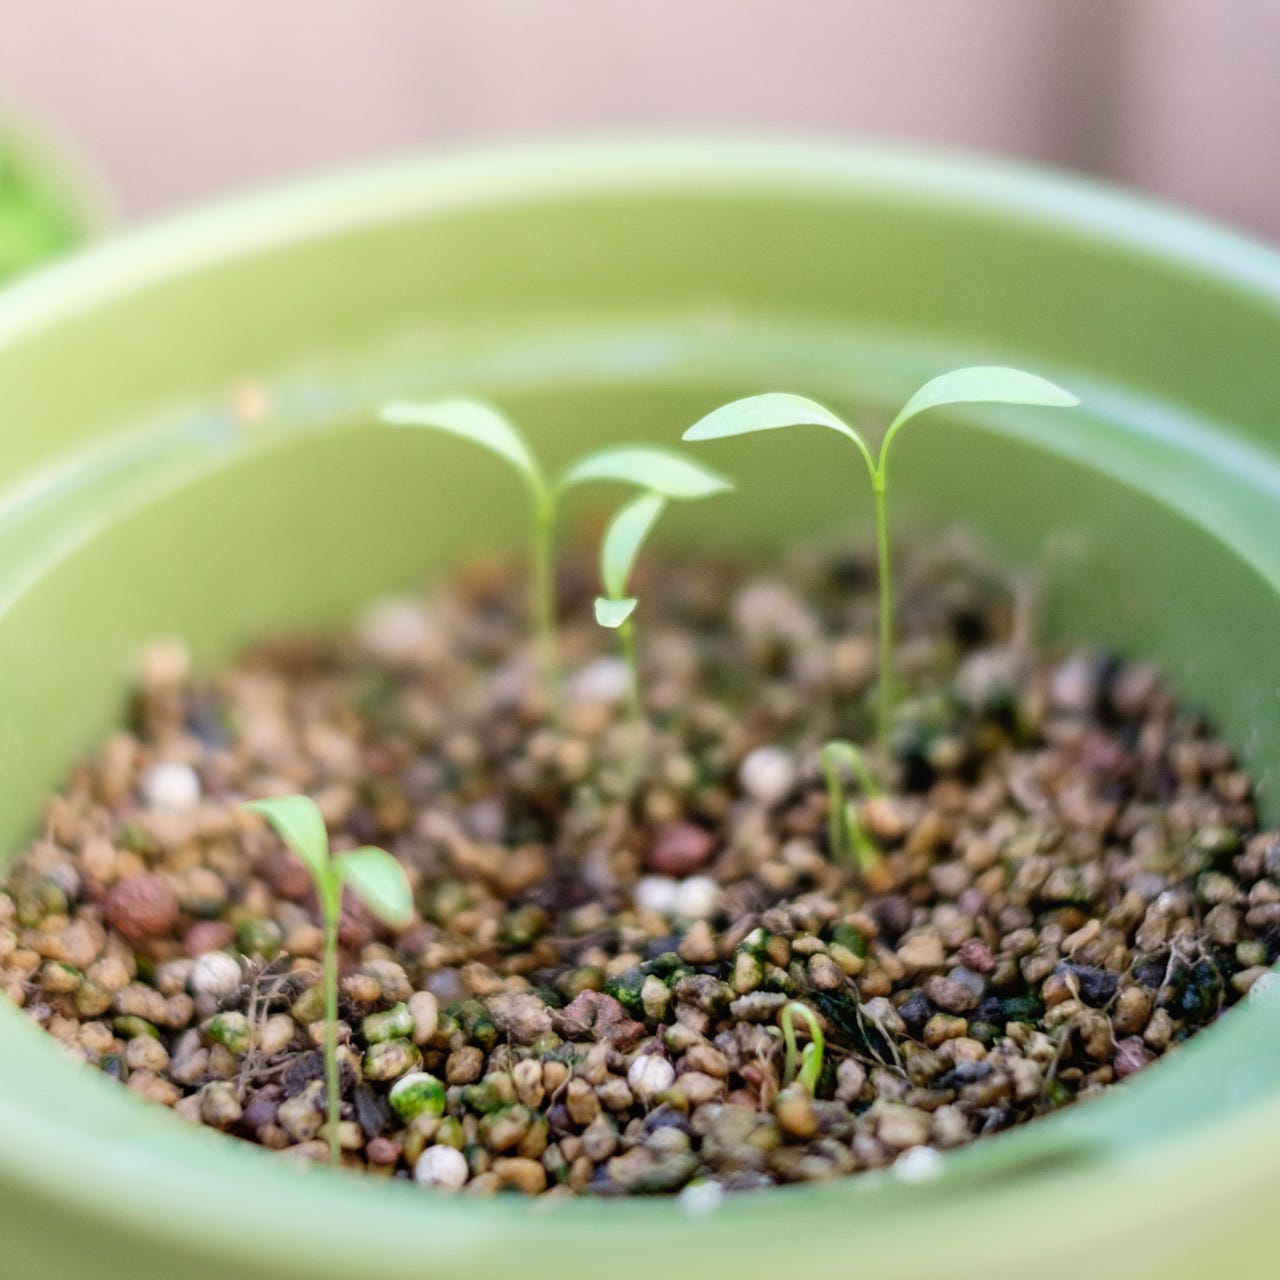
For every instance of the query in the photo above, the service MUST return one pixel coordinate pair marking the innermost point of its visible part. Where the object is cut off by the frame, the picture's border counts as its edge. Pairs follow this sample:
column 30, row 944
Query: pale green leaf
column 472, row 420
column 980, row 384
column 379, row 881
column 624, row 538
column 298, row 822
column 613, row 613
column 659, row 470
column 768, row 412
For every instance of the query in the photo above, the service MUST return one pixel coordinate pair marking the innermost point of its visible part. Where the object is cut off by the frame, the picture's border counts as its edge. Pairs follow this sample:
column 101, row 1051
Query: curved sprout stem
column 806, row 1066
column 840, row 751
column 846, row 836
column 866, row 853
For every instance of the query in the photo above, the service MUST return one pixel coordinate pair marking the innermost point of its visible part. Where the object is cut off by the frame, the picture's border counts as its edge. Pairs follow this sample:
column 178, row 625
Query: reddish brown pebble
column 592, row 1014
column 353, row 932
column 141, row 906
column 976, row 955
column 382, row 1151
column 284, row 872
column 1131, row 1055
column 207, row 935
column 679, row 849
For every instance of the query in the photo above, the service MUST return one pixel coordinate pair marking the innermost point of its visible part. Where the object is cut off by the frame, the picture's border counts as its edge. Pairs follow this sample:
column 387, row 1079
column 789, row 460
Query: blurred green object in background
column 49, row 201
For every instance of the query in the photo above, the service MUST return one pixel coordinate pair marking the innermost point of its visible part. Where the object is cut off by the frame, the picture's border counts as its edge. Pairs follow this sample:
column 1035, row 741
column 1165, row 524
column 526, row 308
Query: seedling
column 846, row 836
column 805, row 1066
column 978, row 385
column 622, row 542
column 372, row 875
column 659, row 470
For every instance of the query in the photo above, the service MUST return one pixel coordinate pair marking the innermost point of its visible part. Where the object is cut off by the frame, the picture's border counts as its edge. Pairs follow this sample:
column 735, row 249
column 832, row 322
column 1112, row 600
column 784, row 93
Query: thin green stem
column 544, row 599
column 835, row 805
column 332, row 1079
column 846, row 836
column 858, row 766
column 635, row 710
column 884, row 708
column 866, row 853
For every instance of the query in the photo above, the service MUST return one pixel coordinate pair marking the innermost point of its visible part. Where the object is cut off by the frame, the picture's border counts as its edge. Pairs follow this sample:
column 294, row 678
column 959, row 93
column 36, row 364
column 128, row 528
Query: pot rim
column 226, row 1197
column 477, row 177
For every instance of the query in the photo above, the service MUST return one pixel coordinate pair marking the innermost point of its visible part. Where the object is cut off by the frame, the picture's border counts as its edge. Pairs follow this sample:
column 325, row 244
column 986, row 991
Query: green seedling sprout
column 372, row 875
column 807, row 1065
column 646, row 467
column 846, row 836
column 622, row 542
column 986, row 384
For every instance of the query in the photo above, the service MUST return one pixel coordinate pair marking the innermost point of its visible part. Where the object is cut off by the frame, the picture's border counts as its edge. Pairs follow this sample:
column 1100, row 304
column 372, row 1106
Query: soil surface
column 1071, row 883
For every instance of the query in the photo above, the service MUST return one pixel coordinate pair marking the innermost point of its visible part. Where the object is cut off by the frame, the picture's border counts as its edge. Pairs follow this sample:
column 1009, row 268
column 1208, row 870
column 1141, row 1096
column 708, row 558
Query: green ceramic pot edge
column 458, row 1236
column 478, row 177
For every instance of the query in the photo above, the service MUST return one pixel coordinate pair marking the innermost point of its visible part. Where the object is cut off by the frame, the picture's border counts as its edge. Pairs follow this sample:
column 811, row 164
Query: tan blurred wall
column 177, row 99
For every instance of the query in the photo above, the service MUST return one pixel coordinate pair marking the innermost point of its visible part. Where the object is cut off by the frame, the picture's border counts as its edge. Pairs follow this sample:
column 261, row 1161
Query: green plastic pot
column 50, row 201
column 605, row 291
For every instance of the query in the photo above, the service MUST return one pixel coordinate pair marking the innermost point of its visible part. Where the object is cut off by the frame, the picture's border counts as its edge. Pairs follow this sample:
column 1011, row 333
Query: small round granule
column 650, row 1075
column 441, row 1167
column 215, row 974
column 171, row 786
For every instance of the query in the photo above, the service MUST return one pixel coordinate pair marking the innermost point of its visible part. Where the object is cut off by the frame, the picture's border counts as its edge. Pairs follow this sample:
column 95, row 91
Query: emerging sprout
column 372, row 875
column 978, row 385
column 622, row 542
column 846, row 836
column 660, row 470
column 807, row 1065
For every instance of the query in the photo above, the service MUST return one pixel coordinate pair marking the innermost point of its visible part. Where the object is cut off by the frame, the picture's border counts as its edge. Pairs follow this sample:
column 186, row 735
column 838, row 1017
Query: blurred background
column 175, row 100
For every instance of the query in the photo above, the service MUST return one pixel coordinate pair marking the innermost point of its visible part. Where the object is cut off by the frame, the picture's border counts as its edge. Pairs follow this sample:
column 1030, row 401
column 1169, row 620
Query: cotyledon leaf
column 662, row 471
column 379, row 881
column 472, row 420
column 613, row 613
column 624, row 538
column 980, row 384
column 298, row 821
